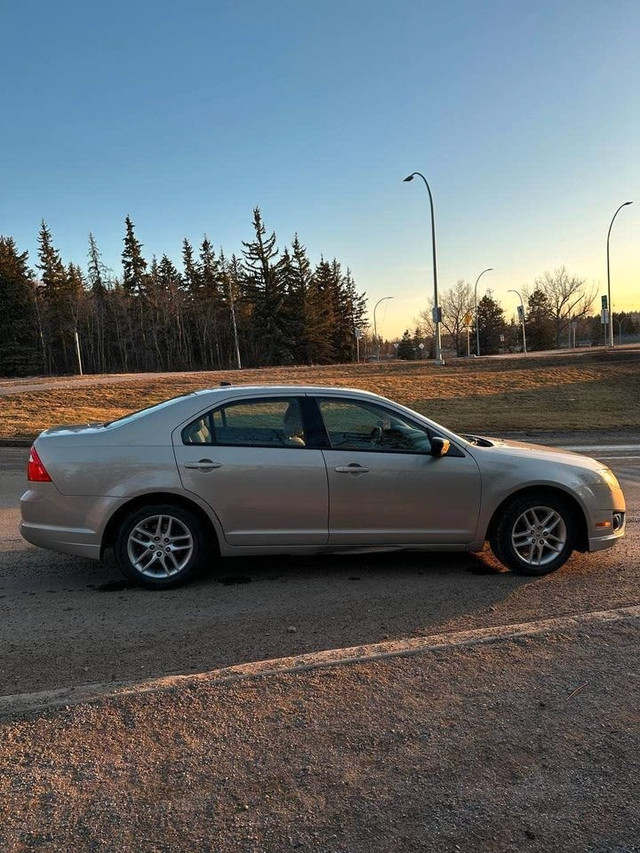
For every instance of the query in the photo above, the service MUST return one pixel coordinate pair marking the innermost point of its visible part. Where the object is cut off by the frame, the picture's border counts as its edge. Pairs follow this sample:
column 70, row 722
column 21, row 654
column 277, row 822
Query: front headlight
column 609, row 477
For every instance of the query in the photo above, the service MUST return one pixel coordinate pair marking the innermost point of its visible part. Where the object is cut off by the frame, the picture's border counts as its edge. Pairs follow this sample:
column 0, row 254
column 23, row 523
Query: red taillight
column 36, row 472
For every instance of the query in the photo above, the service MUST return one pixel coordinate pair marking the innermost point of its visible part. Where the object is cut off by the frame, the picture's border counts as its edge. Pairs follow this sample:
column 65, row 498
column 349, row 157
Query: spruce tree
column 491, row 324
column 20, row 350
column 96, row 277
column 406, row 350
column 265, row 289
column 133, row 263
column 60, row 302
column 321, row 304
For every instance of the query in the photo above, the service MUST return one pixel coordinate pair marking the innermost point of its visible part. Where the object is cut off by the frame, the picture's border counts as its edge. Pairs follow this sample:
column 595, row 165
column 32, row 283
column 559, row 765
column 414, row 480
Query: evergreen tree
column 97, row 280
column 213, row 315
column 133, row 263
column 266, row 292
column 61, row 293
column 540, row 326
column 321, row 315
column 191, row 274
column 406, row 350
column 491, row 324
column 299, row 300
column 293, row 306
column 20, row 351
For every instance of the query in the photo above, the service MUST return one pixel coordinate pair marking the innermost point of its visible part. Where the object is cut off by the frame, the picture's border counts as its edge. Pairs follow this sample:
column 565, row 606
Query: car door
column 250, row 460
column 385, row 487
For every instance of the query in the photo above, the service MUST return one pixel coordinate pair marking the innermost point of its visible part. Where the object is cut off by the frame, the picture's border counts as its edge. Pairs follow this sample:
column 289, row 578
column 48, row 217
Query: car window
column 257, row 423
column 352, row 425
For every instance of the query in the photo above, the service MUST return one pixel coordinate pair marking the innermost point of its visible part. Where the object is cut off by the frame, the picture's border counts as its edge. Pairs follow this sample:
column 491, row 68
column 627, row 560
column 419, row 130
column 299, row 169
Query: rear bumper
column 65, row 540
column 63, row 523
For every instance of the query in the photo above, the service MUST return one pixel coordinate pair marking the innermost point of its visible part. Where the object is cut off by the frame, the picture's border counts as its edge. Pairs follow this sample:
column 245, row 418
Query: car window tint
column 199, row 432
column 258, row 423
column 363, row 426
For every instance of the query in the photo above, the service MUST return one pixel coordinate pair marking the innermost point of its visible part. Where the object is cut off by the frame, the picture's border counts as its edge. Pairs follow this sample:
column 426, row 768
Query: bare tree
column 568, row 296
column 457, row 304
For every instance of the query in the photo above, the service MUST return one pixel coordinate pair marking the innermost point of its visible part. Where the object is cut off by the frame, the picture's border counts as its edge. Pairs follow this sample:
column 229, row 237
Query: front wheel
column 160, row 547
column 535, row 535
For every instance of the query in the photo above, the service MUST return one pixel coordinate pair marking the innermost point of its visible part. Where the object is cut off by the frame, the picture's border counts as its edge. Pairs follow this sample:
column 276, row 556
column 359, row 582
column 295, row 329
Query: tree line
column 266, row 307
column 559, row 312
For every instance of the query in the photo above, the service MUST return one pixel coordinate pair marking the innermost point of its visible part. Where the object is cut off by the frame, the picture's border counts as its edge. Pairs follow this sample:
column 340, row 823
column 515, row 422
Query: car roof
column 283, row 389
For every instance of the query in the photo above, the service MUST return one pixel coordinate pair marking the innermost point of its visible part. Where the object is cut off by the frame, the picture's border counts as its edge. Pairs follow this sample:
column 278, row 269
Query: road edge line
column 25, row 703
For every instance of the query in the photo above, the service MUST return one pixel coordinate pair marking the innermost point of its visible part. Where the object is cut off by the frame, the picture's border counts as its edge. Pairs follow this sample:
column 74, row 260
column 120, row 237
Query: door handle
column 353, row 468
column 203, row 464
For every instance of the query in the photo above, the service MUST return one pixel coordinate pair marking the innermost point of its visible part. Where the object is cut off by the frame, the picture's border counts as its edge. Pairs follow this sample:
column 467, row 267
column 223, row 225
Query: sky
column 523, row 116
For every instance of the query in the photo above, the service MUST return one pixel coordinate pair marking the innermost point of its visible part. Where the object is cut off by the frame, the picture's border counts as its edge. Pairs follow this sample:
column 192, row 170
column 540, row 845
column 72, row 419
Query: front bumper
column 609, row 536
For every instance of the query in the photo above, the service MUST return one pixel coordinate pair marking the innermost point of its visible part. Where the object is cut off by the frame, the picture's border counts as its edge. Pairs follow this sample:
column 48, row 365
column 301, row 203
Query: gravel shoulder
column 528, row 743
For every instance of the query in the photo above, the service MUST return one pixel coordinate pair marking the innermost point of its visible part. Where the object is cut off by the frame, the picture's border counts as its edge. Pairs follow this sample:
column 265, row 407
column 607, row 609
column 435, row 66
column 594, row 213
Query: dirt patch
column 528, row 744
column 597, row 391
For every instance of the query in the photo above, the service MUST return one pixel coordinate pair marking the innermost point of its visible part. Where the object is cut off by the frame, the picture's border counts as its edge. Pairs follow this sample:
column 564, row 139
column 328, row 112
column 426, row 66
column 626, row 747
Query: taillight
column 36, row 472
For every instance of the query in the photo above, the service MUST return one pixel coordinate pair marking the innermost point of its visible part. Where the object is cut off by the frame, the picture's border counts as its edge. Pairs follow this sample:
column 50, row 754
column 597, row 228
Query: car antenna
column 224, row 384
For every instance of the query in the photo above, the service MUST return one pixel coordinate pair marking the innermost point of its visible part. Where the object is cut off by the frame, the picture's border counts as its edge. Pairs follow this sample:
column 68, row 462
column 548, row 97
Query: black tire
column 160, row 546
column 536, row 534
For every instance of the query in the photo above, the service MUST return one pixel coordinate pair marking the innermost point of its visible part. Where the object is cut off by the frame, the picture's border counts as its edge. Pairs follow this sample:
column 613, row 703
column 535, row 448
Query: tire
column 160, row 546
column 535, row 534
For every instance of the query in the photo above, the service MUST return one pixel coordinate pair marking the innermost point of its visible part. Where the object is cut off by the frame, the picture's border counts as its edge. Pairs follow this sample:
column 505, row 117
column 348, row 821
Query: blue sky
column 524, row 117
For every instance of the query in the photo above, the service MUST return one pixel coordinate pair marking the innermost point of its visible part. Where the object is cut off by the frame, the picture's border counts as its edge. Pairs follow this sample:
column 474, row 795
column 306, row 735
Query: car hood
column 503, row 448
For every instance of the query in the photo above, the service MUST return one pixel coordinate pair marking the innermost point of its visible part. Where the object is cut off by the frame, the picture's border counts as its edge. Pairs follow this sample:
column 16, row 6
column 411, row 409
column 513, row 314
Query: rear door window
column 272, row 422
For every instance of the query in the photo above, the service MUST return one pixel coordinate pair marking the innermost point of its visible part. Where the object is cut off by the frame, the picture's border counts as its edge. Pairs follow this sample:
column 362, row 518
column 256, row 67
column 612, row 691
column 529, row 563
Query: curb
column 64, row 697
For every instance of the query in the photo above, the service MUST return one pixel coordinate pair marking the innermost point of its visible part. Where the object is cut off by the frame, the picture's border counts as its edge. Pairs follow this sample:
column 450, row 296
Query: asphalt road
column 65, row 621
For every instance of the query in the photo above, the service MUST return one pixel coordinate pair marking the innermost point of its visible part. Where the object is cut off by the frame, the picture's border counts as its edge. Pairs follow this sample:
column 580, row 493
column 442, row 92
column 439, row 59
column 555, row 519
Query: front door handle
column 203, row 464
column 352, row 468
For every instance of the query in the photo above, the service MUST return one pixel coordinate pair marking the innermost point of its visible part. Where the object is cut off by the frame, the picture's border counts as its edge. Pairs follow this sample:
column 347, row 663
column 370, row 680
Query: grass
column 599, row 390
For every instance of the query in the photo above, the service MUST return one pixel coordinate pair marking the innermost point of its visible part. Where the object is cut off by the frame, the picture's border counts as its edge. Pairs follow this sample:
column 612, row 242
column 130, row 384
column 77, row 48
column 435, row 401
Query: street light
column 521, row 307
column 436, row 310
column 609, row 275
column 375, row 328
column 475, row 300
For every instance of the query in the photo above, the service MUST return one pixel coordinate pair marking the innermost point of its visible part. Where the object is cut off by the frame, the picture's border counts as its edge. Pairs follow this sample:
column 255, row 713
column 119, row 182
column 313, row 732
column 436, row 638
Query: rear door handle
column 203, row 464
column 353, row 468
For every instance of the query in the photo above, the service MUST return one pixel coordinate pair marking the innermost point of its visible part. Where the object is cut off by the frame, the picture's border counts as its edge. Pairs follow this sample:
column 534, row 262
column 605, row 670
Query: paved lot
column 65, row 621
column 526, row 743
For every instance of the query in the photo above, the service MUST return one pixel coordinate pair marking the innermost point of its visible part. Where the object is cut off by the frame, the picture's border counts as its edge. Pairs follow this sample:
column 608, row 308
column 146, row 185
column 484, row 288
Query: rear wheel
column 535, row 535
column 160, row 546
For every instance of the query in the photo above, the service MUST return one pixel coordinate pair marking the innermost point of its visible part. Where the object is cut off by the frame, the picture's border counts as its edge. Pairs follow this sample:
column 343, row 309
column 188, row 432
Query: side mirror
column 440, row 446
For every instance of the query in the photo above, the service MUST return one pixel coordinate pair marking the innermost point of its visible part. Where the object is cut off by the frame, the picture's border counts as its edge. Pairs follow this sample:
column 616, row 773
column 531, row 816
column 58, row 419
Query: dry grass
column 592, row 391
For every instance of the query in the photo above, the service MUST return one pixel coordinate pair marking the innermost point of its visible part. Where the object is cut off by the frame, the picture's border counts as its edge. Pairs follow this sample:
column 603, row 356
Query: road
column 65, row 621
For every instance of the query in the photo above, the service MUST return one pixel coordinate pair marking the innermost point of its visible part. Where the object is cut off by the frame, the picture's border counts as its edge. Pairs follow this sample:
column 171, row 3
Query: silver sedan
column 300, row 469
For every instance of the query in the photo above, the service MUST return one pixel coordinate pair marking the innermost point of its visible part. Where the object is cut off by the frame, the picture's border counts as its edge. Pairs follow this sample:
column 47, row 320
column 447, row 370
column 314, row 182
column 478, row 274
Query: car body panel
column 292, row 500
column 262, row 496
column 402, row 498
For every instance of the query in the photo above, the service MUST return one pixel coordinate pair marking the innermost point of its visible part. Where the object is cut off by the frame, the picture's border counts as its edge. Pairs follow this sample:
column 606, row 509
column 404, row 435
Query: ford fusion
column 301, row 470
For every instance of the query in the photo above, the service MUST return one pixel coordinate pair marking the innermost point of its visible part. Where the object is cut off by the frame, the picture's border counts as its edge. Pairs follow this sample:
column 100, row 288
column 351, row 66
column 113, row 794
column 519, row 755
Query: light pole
column 624, row 204
column 521, row 307
column 475, row 300
column 375, row 328
column 436, row 310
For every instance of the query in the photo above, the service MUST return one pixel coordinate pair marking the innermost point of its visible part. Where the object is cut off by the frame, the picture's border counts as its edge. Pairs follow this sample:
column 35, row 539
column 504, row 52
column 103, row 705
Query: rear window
column 146, row 411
